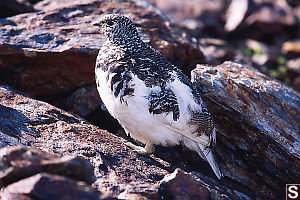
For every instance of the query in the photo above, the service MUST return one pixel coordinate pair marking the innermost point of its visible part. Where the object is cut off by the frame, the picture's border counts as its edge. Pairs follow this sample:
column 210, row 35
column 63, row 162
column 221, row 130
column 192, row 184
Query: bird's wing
column 195, row 123
column 163, row 101
column 155, row 73
column 154, row 70
column 207, row 139
column 204, row 122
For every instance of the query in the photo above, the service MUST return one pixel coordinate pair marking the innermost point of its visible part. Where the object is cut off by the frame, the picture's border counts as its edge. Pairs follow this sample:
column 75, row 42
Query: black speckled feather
column 141, row 88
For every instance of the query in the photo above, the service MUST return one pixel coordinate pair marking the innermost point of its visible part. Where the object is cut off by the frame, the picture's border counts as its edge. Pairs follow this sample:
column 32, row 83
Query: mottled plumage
column 152, row 99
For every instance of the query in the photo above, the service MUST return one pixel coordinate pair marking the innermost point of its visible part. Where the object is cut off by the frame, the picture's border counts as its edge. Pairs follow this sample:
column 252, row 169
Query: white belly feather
column 135, row 117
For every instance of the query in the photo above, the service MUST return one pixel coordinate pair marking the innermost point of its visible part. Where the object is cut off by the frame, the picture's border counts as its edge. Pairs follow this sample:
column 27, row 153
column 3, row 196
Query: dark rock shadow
column 14, row 127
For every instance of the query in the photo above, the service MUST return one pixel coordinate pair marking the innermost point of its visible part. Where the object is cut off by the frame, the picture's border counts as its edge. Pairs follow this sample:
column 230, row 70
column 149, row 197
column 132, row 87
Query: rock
column 296, row 10
column 264, row 20
column 257, row 119
column 53, row 52
column 198, row 17
column 84, row 100
column 182, row 186
column 293, row 65
column 20, row 162
column 13, row 196
column 268, row 21
column 235, row 14
column 291, row 47
column 46, row 186
column 217, row 51
column 14, row 7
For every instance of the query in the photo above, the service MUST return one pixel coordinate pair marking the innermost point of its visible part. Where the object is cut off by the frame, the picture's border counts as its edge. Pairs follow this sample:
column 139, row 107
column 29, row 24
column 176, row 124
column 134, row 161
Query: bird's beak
column 96, row 23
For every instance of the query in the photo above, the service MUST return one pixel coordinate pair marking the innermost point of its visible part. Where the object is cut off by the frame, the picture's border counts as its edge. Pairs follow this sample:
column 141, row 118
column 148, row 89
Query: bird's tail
column 206, row 153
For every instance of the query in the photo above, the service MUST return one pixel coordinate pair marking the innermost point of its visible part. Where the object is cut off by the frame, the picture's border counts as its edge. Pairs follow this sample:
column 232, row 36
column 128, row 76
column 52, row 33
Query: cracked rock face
column 258, row 126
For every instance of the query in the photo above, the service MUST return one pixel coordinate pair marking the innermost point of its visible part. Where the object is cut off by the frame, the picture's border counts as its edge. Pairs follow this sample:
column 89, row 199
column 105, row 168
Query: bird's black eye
column 110, row 23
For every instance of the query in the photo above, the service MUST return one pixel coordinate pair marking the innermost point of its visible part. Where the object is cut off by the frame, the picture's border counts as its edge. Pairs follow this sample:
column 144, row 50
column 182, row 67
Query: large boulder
column 258, row 121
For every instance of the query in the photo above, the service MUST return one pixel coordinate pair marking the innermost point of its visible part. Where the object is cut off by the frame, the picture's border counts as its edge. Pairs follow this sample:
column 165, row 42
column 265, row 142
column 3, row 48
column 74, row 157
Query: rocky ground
column 56, row 134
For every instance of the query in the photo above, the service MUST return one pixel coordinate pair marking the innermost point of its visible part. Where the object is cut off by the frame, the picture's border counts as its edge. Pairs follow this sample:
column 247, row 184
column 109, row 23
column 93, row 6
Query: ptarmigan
column 152, row 99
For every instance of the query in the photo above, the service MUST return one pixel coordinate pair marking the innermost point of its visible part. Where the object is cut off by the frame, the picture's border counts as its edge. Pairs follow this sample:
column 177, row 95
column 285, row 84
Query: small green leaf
column 282, row 70
column 274, row 73
column 281, row 60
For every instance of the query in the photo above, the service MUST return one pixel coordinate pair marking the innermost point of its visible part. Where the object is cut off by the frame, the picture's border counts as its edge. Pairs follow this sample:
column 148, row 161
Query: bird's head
column 116, row 26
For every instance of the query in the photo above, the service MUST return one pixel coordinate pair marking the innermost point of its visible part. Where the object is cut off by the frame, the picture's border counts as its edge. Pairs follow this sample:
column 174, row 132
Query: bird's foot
column 148, row 149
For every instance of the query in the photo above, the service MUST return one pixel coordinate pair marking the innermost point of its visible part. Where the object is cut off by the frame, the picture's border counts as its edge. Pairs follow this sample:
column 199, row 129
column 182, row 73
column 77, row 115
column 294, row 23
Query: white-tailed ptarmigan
column 152, row 99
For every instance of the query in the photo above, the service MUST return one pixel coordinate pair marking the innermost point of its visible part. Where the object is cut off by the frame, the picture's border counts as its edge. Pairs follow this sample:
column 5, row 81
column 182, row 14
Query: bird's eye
column 110, row 23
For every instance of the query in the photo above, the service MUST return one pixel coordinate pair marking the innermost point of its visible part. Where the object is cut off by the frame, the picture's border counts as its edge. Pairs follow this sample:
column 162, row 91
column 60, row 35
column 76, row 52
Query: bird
column 152, row 99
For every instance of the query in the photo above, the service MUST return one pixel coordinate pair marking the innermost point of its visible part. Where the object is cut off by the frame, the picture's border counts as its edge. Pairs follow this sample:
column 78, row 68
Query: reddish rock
column 13, row 7
column 265, row 20
column 84, row 100
column 183, row 186
column 19, row 162
column 291, row 47
column 47, row 187
column 198, row 17
column 53, row 52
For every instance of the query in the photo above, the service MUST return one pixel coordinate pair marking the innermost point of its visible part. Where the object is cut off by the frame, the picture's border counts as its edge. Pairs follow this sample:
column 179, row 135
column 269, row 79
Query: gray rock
column 20, row 162
column 47, row 187
column 258, row 121
column 182, row 185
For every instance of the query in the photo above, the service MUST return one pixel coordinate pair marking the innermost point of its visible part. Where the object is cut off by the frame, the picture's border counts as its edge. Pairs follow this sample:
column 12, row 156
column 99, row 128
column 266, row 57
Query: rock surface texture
column 258, row 120
column 47, row 186
column 19, row 162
